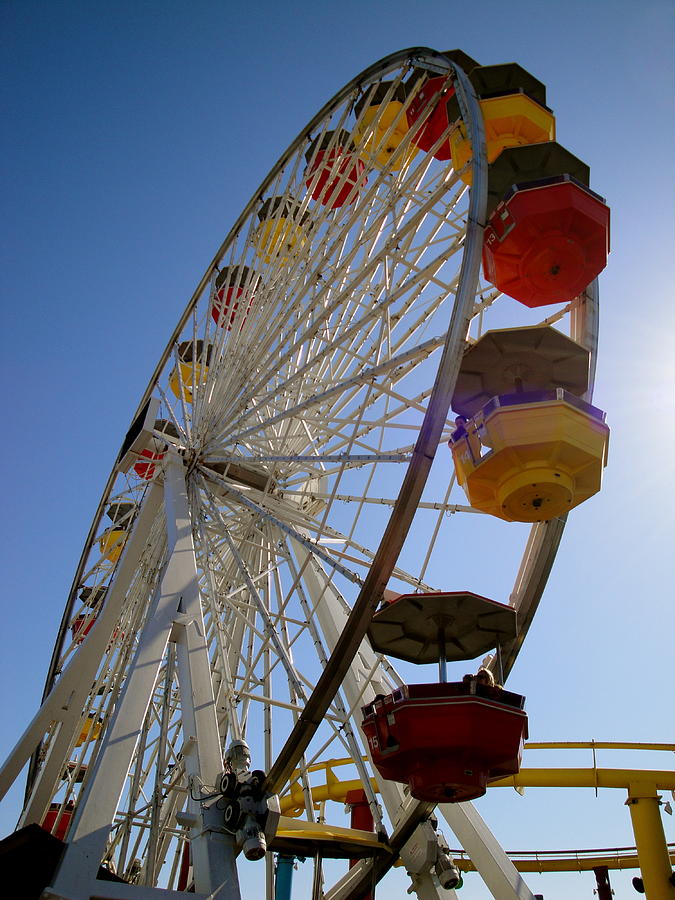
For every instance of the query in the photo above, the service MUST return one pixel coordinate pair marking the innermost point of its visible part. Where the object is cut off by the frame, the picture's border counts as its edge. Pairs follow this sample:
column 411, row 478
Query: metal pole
column 500, row 665
column 442, row 661
column 151, row 858
column 283, row 878
column 650, row 841
column 213, row 851
column 602, row 882
column 317, row 881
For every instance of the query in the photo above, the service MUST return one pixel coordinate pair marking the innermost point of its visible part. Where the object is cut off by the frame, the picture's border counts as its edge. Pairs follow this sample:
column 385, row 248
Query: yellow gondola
column 111, row 543
column 193, row 367
column 382, row 126
column 529, row 457
column 281, row 232
column 511, row 121
column 90, row 730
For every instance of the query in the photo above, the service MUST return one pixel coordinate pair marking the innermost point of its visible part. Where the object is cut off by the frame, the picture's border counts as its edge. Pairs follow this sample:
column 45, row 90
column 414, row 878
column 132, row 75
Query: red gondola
column 436, row 91
column 335, row 172
column 230, row 284
column 146, row 470
column 64, row 818
column 546, row 241
column 446, row 740
column 80, row 627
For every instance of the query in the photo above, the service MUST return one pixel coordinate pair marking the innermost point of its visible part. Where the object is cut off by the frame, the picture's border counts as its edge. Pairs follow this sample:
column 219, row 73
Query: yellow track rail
column 566, row 860
column 293, row 803
column 651, row 853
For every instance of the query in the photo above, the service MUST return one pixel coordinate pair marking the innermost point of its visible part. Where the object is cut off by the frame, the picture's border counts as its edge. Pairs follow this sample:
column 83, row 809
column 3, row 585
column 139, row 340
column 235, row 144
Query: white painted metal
column 497, row 871
column 65, row 702
column 175, row 614
column 213, row 851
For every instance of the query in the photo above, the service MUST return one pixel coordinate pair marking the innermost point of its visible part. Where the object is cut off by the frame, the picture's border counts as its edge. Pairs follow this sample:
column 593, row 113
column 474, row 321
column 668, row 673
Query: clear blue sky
column 134, row 133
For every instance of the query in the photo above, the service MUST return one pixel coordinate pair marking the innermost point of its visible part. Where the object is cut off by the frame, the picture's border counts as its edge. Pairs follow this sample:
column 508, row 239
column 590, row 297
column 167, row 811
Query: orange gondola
column 546, row 241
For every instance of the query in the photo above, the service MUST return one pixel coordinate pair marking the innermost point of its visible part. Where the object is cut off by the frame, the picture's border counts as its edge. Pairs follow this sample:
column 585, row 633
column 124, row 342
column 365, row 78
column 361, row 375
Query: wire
column 202, row 797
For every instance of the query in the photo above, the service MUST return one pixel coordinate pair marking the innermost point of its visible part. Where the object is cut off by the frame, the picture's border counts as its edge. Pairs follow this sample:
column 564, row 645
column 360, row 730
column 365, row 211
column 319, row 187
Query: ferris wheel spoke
column 334, row 538
column 354, row 749
column 351, row 334
column 355, row 383
column 400, row 454
column 350, row 289
column 265, row 515
column 342, row 437
column 217, row 636
column 270, row 632
column 349, row 462
column 487, row 297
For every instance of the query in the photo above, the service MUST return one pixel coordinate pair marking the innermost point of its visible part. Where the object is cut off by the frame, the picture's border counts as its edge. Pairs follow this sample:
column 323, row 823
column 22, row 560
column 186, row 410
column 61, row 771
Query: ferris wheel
column 288, row 470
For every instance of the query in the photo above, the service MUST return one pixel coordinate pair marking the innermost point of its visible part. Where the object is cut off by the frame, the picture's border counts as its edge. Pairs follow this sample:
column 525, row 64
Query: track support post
column 650, row 840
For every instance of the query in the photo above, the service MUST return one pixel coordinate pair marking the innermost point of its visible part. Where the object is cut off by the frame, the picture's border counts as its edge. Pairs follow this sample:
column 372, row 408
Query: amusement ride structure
column 414, row 280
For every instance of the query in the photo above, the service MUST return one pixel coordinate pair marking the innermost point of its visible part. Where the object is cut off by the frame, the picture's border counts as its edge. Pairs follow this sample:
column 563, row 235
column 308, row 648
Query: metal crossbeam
column 174, row 615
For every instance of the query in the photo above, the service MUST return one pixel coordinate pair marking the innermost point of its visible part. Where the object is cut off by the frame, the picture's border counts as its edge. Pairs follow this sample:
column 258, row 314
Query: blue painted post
column 283, row 880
